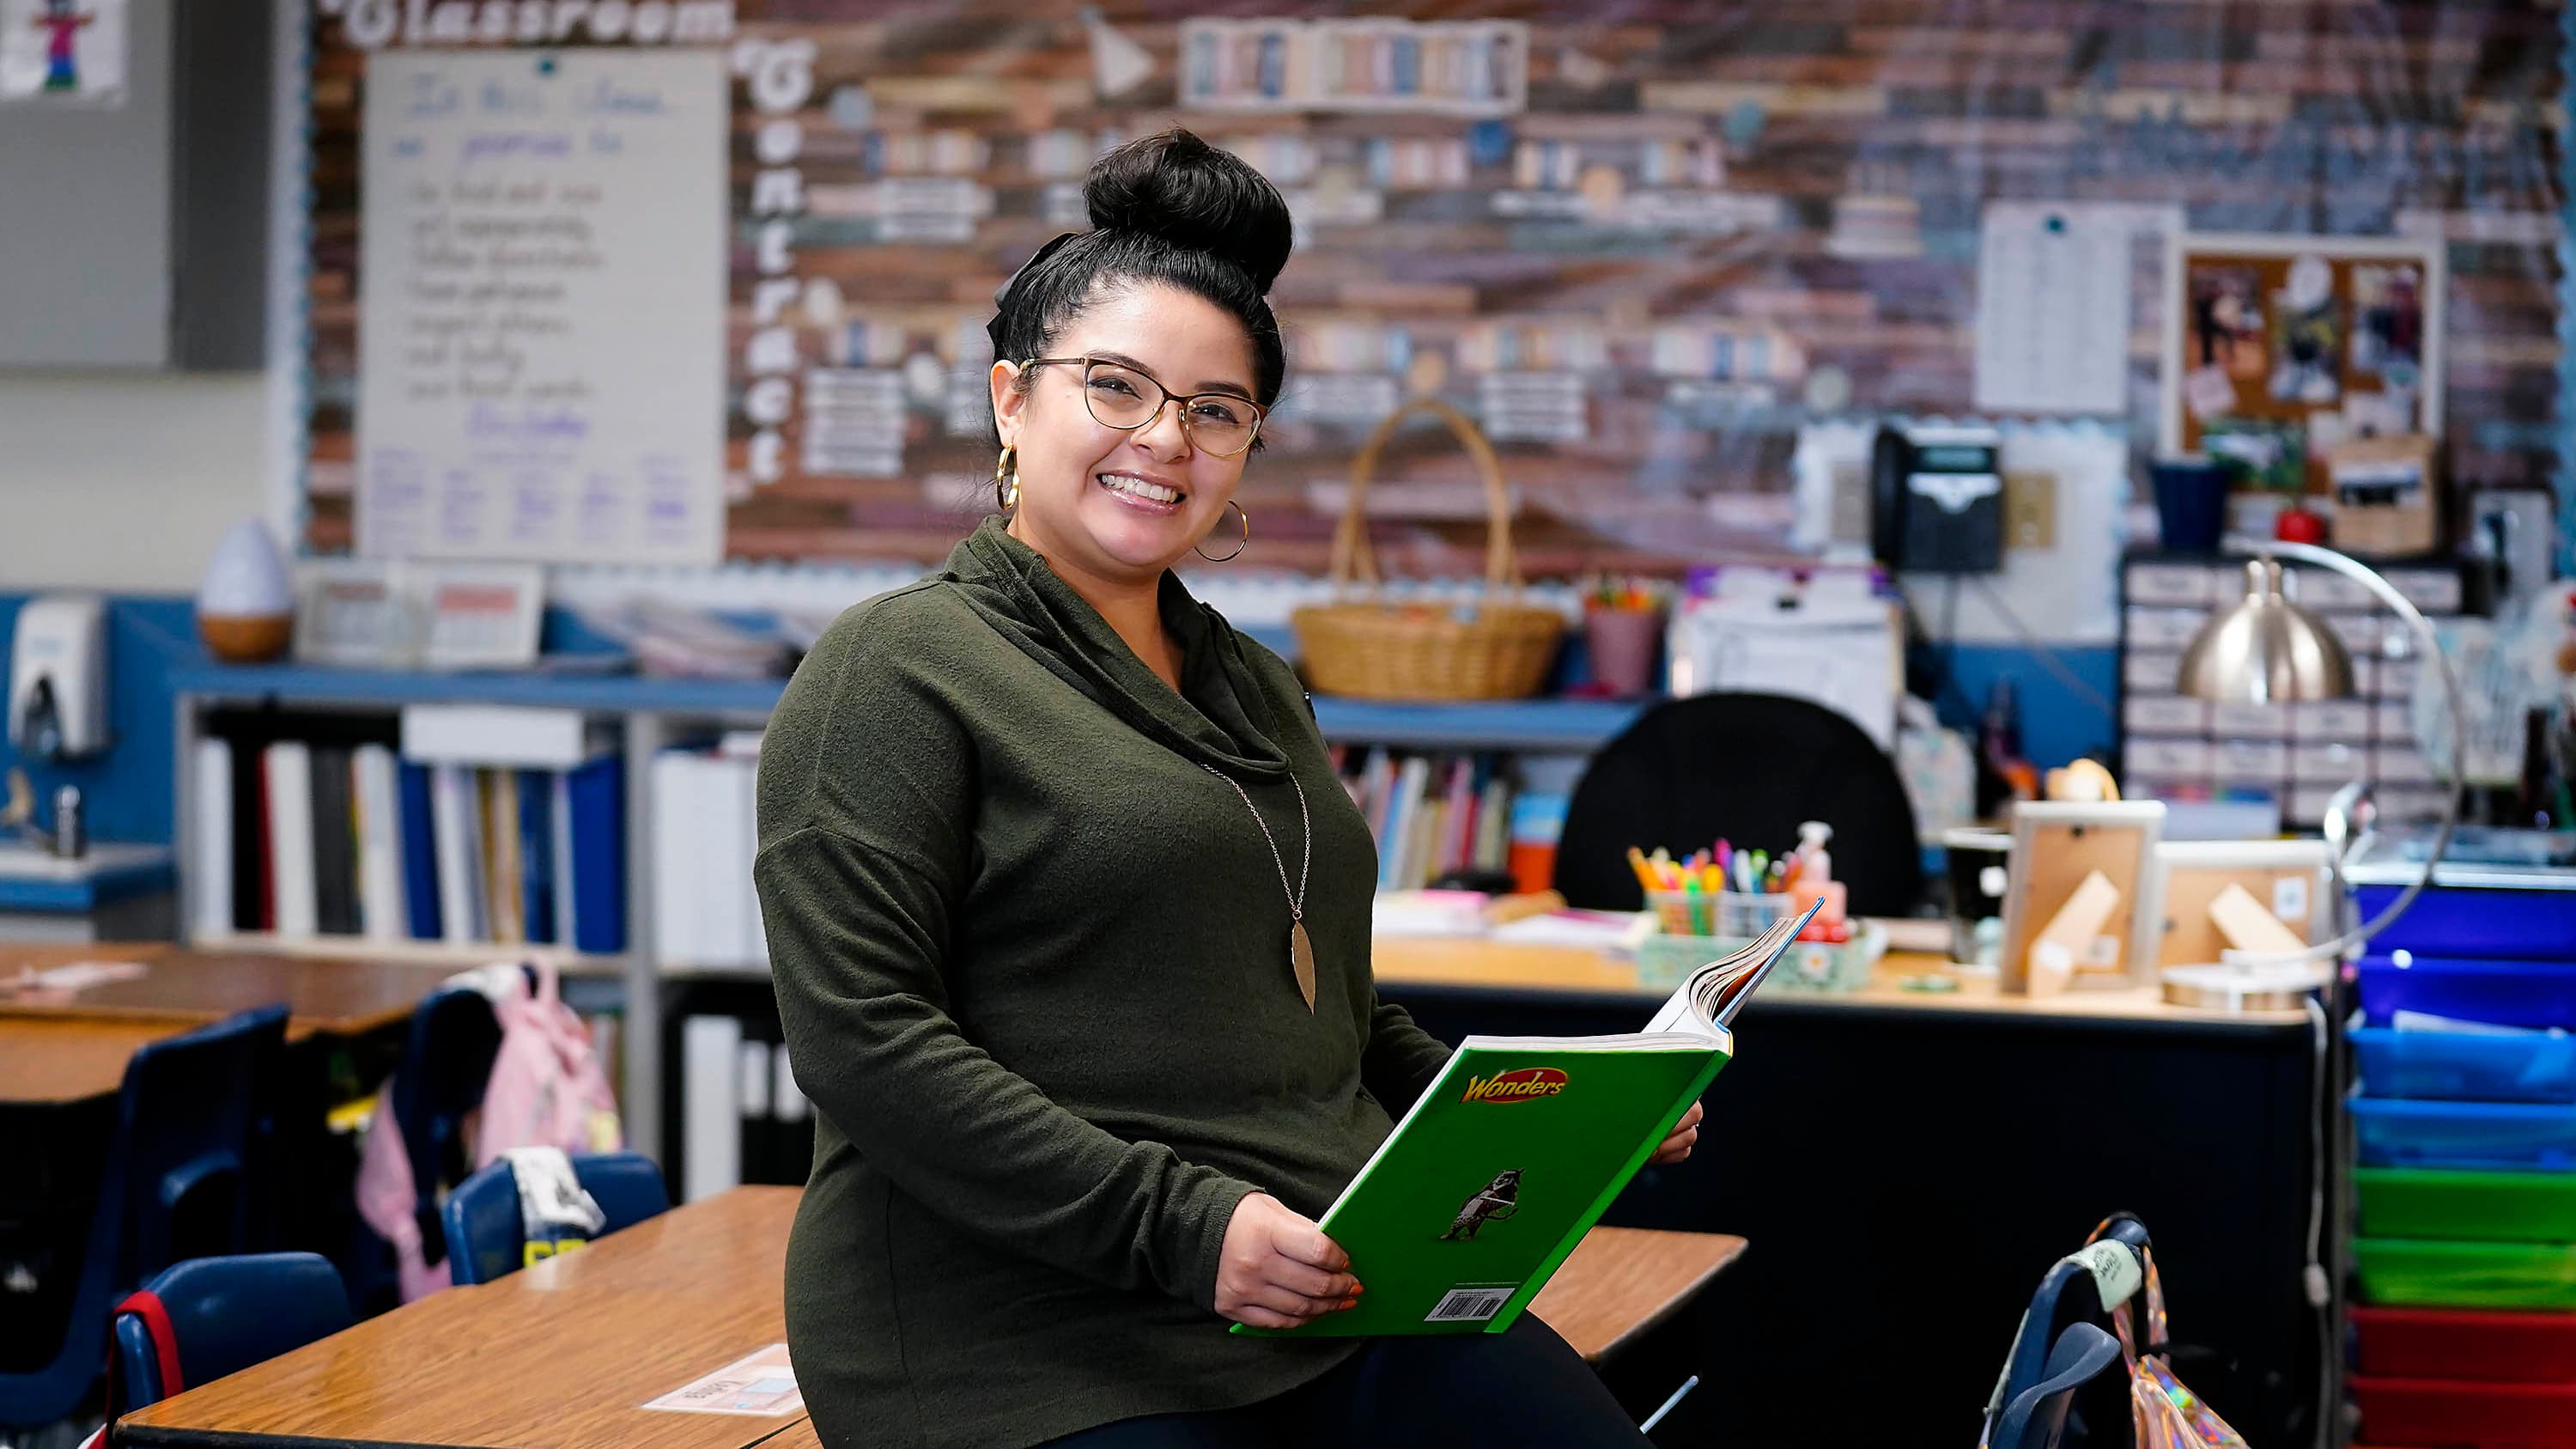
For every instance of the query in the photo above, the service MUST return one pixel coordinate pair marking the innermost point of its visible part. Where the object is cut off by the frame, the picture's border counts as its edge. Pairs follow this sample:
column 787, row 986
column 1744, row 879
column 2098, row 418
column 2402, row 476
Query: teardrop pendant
column 1301, row 959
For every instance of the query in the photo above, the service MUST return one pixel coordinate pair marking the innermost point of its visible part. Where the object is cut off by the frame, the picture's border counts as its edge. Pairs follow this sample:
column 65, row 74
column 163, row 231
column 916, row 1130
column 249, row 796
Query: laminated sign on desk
column 762, row 1384
column 1510, row 1156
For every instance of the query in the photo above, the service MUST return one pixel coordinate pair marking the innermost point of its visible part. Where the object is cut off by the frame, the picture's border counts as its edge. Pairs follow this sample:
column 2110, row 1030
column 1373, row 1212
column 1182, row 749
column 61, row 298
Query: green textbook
column 1516, row 1149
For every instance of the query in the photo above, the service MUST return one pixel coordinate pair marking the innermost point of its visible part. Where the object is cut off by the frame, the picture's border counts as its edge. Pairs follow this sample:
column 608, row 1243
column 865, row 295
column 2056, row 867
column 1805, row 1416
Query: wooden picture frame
column 2288, row 877
column 2055, row 847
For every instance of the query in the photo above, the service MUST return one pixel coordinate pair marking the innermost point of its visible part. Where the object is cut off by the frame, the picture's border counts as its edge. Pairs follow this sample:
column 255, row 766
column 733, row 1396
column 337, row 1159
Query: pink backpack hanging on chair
column 547, row 1089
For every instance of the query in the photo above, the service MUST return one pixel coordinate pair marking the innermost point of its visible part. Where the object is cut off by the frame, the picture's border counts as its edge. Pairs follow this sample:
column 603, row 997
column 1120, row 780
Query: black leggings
column 1521, row 1387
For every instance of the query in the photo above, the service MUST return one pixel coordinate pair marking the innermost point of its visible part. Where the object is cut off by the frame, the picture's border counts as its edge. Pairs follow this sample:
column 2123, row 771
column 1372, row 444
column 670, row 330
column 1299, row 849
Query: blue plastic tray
column 2466, row 1066
column 2503, row 924
column 2506, row 895
column 2508, row 1135
column 2505, row 993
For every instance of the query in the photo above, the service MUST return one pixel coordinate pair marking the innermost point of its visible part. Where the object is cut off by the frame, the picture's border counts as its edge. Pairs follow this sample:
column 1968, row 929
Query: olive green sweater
column 1032, row 958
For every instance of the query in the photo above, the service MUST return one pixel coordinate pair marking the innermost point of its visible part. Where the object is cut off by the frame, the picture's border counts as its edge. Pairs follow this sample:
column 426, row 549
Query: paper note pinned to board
column 761, row 1384
column 2053, row 303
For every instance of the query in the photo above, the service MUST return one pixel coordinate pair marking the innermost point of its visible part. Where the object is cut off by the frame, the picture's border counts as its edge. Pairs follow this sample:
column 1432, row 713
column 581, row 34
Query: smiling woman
column 1136, row 363
column 1069, row 921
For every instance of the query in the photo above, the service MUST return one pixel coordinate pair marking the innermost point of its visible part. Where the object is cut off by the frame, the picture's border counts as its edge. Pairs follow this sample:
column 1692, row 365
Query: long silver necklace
column 1301, row 952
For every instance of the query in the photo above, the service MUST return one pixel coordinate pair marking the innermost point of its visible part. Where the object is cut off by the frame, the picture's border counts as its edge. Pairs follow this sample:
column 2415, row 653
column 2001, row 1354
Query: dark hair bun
column 1181, row 189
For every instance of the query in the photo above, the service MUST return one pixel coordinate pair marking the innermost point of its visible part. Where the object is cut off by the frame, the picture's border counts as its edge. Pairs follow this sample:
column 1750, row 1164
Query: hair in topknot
column 1168, row 209
column 1184, row 191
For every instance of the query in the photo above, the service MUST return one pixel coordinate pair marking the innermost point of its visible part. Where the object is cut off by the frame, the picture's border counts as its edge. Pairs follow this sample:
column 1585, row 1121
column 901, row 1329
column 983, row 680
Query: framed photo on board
column 2278, row 349
column 2054, row 909
column 2287, row 878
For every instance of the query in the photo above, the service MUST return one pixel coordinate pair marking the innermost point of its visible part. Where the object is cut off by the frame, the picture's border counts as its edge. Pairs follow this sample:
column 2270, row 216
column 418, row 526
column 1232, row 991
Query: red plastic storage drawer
column 2451, row 1343
column 2452, row 1412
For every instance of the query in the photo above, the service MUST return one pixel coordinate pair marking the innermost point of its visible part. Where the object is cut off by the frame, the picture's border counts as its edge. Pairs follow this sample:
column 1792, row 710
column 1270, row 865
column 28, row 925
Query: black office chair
column 1750, row 768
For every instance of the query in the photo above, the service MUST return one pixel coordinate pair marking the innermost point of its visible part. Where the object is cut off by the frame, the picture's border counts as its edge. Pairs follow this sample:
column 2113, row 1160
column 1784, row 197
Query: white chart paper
column 2053, row 283
column 542, row 288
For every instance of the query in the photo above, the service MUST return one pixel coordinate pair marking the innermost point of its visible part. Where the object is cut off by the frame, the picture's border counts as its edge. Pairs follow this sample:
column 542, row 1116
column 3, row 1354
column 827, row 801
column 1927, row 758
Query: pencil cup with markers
column 1664, row 960
column 1738, row 914
column 1715, row 900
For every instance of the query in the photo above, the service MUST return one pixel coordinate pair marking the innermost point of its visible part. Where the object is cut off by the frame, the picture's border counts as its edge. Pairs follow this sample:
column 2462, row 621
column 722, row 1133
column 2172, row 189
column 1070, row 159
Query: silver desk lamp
column 2267, row 650
column 2262, row 650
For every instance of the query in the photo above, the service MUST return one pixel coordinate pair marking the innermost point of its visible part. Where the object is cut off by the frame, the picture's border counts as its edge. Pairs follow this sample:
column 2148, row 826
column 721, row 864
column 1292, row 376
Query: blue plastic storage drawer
column 2504, row 895
column 2524, row 925
column 2505, row 993
column 2466, row 1066
column 2508, row 1135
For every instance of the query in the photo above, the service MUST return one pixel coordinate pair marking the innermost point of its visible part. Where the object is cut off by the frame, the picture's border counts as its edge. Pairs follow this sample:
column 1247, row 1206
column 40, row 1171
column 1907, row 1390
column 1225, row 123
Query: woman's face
column 1123, row 505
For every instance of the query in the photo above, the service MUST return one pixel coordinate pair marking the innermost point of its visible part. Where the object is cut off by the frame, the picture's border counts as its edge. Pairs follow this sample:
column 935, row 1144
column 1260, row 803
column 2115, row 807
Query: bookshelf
column 649, row 715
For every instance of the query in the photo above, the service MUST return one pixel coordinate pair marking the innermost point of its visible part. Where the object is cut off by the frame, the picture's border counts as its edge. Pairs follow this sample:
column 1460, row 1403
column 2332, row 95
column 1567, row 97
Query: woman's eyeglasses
column 1128, row 398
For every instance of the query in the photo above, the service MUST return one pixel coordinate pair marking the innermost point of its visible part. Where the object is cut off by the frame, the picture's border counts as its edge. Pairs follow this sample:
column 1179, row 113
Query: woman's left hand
column 1685, row 1136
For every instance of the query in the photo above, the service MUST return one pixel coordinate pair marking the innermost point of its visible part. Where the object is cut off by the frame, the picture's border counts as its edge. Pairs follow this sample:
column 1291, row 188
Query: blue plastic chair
column 225, row 1315
column 2037, row 1417
column 448, row 1049
column 447, row 1060
column 485, row 1237
column 188, row 1123
column 2067, row 1295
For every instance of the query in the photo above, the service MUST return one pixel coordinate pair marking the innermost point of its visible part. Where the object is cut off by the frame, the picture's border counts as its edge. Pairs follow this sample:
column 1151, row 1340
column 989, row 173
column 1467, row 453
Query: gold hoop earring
column 1006, row 479
column 1238, row 548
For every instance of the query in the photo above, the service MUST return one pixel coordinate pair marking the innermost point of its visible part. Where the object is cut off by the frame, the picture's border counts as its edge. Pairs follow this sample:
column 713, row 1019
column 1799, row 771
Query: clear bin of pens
column 1739, row 914
column 1665, row 958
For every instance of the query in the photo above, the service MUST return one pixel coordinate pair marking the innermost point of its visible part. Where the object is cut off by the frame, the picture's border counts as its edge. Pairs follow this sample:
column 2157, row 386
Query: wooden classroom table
column 1465, row 962
column 336, row 995
column 1620, row 1283
column 566, row 1351
column 1911, row 1162
column 55, row 1062
column 63, row 1055
column 562, row 1353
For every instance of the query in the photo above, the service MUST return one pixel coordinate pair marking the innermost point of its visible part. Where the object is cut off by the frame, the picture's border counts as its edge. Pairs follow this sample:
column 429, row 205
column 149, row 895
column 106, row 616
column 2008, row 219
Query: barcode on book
column 1469, row 1305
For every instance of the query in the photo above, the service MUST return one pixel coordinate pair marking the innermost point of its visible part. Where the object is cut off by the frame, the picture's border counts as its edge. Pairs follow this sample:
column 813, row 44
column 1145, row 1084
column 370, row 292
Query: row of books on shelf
column 1433, row 815
column 329, row 826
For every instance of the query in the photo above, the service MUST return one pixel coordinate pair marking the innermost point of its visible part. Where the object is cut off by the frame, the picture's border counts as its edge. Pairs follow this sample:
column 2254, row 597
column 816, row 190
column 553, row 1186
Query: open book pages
column 1694, row 1018
column 1709, row 998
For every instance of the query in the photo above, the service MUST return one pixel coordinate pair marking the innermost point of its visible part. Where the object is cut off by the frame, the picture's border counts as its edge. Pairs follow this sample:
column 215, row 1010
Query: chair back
column 1749, row 768
column 224, row 1315
column 2039, row 1417
column 2041, row 1397
column 486, row 1237
column 447, row 1059
column 627, row 1186
column 192, row 1120
column 189, row 1119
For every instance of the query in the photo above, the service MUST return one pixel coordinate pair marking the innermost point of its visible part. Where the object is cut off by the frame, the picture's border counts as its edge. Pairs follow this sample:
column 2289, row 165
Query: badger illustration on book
column 1493, row 1202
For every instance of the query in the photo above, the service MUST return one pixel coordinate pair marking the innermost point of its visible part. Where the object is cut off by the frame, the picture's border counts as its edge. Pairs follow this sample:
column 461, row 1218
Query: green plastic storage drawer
column 2495, row 1207
column 2417, row 1272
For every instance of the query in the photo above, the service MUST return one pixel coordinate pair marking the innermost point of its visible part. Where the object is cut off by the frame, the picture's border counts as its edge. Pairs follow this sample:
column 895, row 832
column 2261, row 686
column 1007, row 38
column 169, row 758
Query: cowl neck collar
column 1220, row 717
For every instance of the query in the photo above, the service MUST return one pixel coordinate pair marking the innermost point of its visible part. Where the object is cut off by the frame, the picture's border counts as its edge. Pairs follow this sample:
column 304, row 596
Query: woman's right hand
column 1278, row 1270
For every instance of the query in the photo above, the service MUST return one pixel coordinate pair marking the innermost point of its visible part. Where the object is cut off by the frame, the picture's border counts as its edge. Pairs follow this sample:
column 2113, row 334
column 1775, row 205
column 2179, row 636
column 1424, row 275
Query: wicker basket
column 1369, row 648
